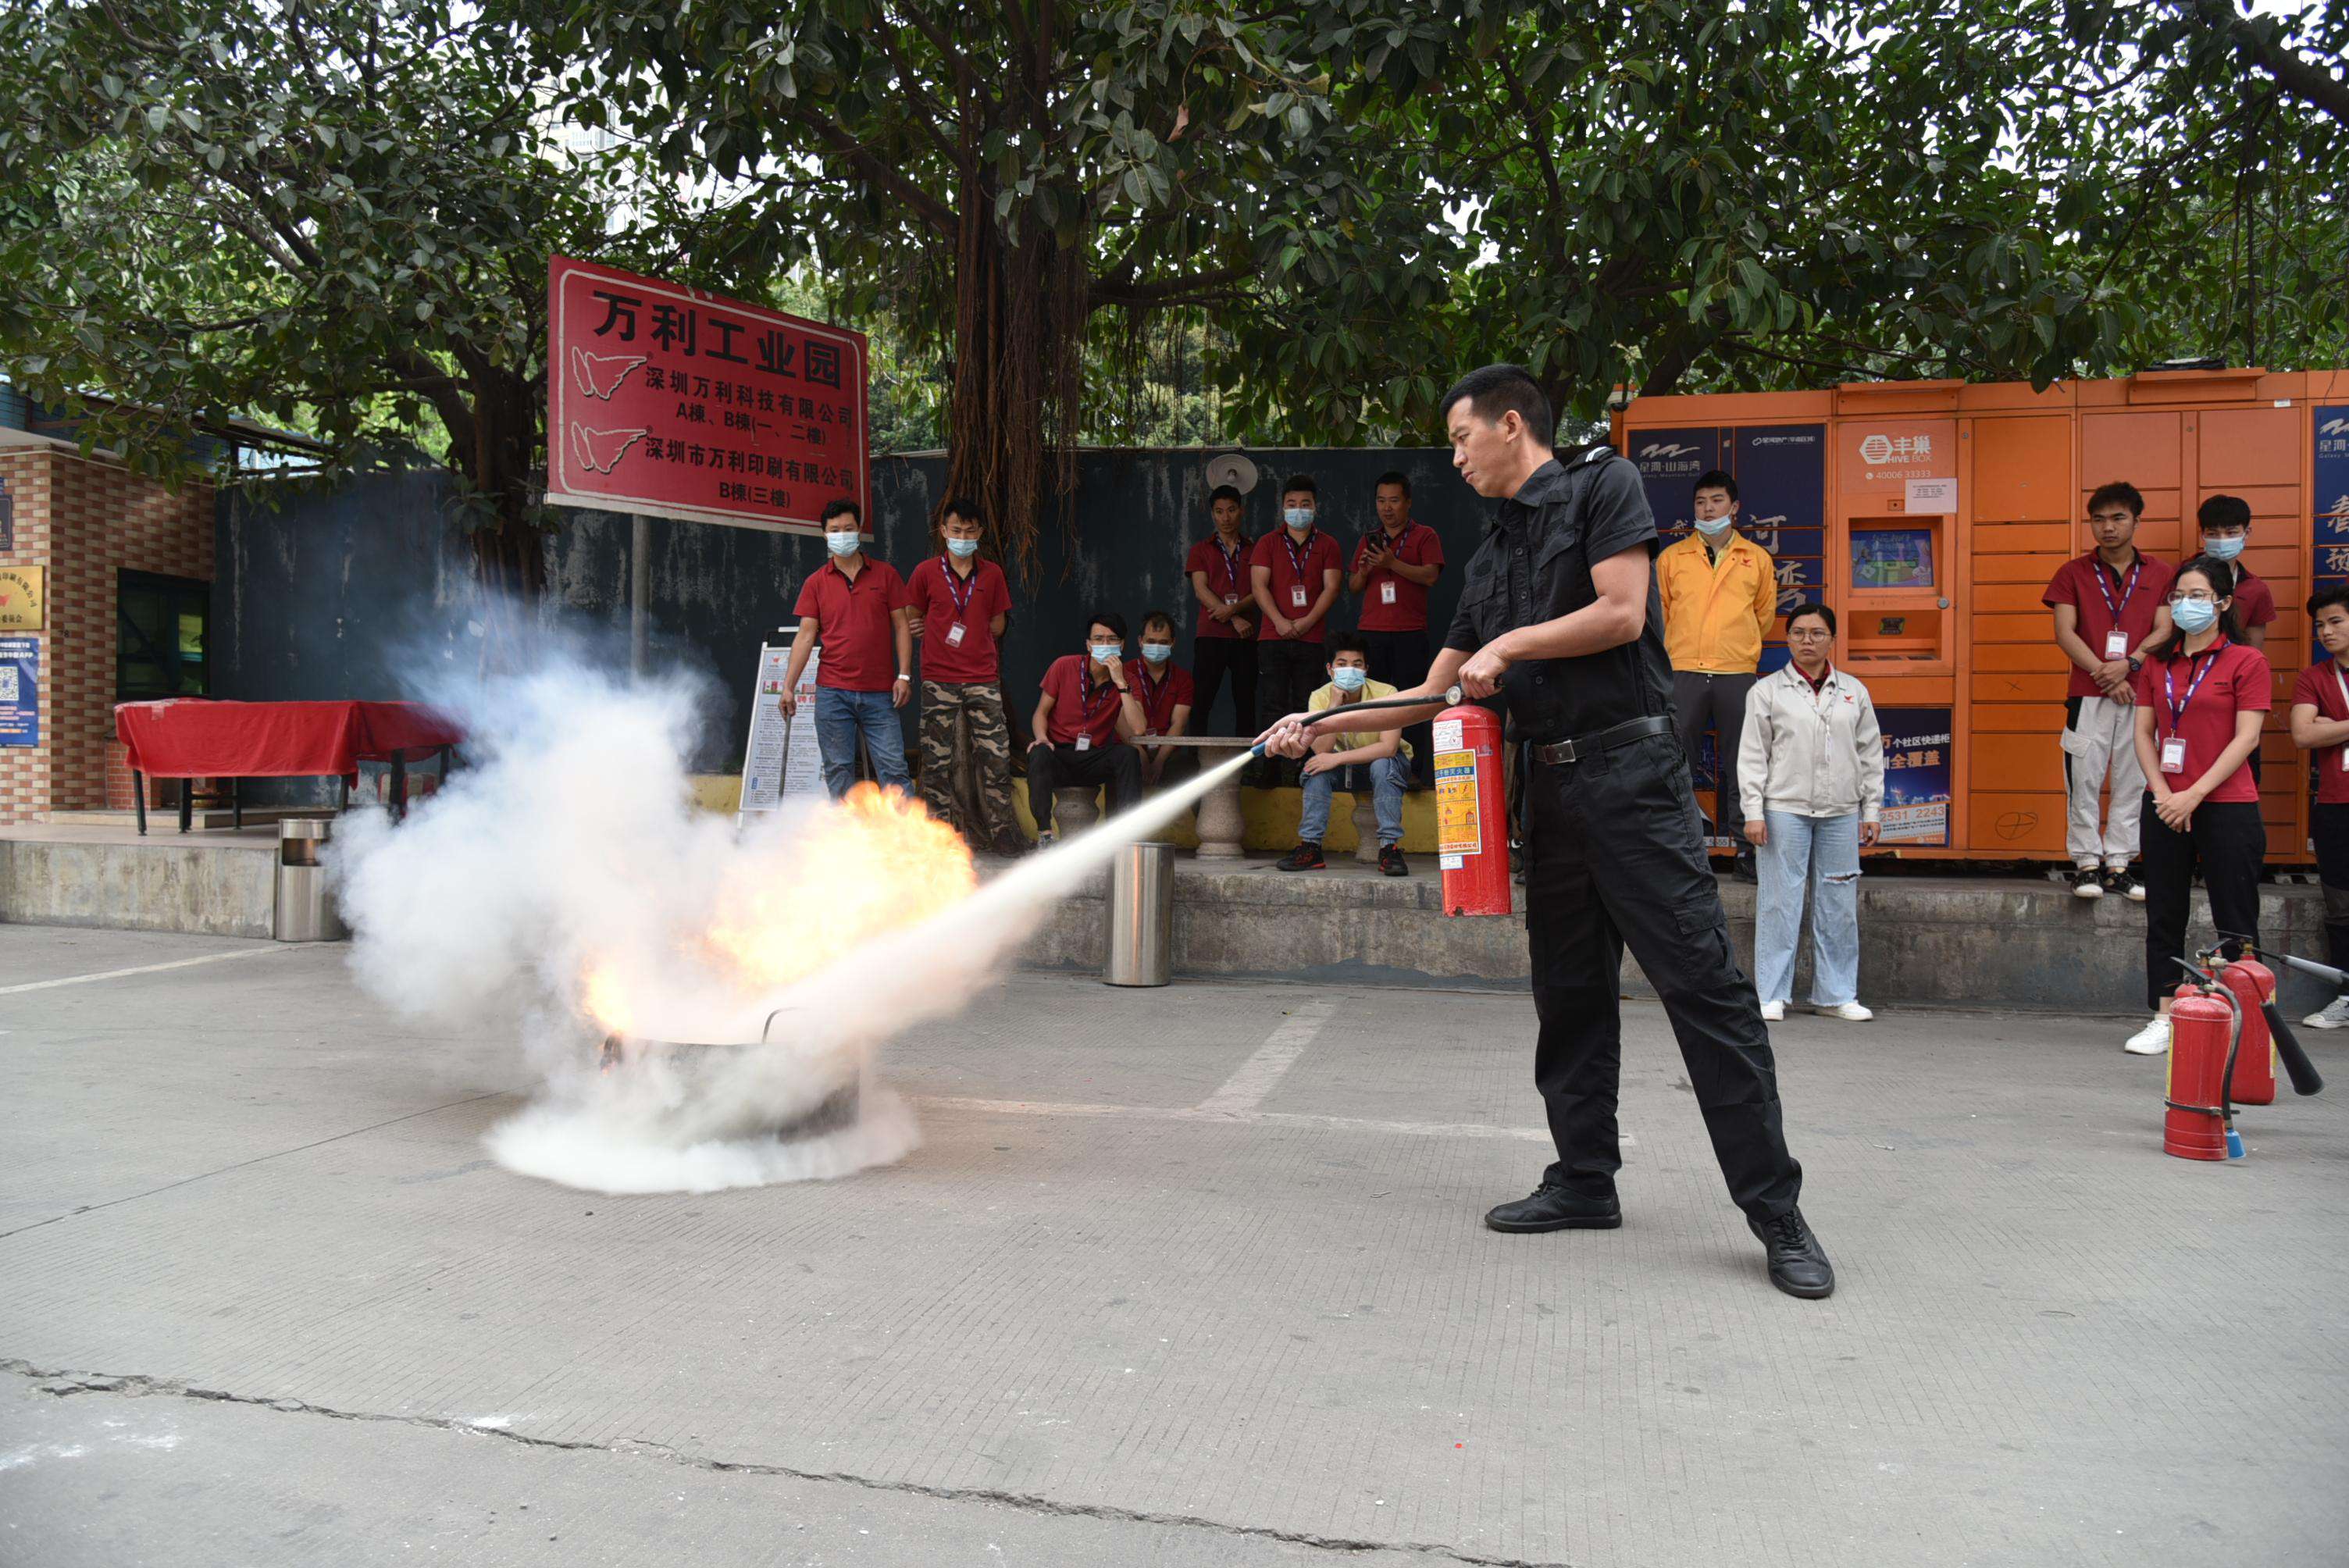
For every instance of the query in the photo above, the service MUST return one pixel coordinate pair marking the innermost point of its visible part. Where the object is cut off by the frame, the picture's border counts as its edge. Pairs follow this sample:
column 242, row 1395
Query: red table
column 195, row 737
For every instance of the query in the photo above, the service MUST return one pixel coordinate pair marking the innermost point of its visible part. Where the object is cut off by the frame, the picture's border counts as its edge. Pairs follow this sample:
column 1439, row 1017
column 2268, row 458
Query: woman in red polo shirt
column 2200, row 701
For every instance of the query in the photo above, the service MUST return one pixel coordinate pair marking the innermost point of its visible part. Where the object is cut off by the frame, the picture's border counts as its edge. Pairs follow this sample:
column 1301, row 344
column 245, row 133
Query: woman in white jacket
column 1810, row 774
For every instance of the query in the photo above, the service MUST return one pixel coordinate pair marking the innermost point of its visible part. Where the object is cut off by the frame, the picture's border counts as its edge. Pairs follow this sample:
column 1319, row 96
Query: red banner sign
column 676, row 403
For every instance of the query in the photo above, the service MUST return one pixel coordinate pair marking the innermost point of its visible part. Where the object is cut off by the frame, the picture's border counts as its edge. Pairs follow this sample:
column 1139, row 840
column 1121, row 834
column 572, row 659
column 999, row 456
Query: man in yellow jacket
column 1720, row 594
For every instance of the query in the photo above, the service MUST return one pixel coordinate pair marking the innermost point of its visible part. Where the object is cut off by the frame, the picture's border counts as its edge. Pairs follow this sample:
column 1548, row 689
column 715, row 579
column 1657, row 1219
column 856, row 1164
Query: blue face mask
column 1158, row 652
column 842, row 543
column 2223, row 549
column 1347, row 678
column 2194, row 614
column 1104, row 652
column 1299, row 517
column 964, row 549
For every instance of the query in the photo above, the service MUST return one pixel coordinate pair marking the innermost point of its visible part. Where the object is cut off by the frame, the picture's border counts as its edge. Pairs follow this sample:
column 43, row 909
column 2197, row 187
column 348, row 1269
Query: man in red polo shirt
column 1294, row 580
column 1087, row 713
column 2109, row 609
column 2226, row 524
column 1224, row 641
column 2320, row 725
column 1394, row 566
column 855, row 607
column 1164, row 690
column 958, row 606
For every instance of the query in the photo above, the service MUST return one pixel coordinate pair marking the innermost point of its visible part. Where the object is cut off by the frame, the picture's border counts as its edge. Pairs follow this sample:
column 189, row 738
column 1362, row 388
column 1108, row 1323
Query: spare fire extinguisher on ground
column 1471, row 819
column 2205, row 1027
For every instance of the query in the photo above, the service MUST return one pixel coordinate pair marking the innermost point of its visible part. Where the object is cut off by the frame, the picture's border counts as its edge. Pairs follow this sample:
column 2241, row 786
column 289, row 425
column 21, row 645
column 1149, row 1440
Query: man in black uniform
column 1560, row 613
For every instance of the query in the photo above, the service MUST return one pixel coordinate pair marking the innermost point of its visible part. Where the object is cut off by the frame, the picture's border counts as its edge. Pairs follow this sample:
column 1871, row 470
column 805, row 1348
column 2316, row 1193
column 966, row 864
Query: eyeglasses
column 1818, row 635
column 2204, row 595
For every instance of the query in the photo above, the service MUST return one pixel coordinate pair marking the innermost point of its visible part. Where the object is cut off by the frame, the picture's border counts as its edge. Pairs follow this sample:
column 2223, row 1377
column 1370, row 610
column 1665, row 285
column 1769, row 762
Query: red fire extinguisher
column 2200, row 1121
column 2253, row 1081
column 1472, row 820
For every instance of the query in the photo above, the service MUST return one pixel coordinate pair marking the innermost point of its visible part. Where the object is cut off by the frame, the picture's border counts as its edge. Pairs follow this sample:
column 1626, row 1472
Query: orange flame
column 877, row 861
column 874, row 861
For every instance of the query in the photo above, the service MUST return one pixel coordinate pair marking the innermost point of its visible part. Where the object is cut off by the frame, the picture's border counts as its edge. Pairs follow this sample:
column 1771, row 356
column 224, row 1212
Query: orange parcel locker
column 1931, row 515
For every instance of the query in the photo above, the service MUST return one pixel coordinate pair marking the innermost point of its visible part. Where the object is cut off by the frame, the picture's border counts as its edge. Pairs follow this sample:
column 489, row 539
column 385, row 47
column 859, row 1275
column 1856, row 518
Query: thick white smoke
column 571, row 845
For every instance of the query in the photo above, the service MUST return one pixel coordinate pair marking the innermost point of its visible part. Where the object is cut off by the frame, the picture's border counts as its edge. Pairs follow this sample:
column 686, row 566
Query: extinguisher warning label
column 1457, row 831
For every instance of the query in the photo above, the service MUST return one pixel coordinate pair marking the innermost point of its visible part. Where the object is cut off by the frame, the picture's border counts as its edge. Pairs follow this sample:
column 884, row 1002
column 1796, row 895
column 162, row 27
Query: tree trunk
column 1011, row 418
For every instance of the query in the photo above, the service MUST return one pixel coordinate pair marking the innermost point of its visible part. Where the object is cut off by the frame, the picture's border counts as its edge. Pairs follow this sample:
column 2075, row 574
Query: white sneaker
column 2087, row 882
column 2153, row 1040
column 1849, row 1012
column 2336, row 1015
column 1773, row 1012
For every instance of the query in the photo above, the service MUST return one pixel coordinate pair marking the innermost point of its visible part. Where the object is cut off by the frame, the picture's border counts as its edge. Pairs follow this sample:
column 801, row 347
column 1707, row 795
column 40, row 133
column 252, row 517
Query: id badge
column 954, row 636
column 1231, row 598
column 2173, row 755
column 1297, row 597
column 1086, row 743
column 2115, row 645
column 1386, row 592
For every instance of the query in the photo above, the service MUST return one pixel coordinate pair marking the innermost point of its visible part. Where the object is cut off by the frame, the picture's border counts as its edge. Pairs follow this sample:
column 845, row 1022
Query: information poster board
column 23, row 598
column 20, row 691
column 1916, row 757
column 781, row 758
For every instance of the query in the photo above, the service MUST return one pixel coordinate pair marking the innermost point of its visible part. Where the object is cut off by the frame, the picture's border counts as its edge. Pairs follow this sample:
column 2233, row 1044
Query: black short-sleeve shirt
column 1534, row 567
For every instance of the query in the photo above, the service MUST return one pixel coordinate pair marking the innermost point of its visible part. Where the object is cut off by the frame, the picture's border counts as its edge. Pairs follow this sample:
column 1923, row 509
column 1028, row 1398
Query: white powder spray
column 572, row 846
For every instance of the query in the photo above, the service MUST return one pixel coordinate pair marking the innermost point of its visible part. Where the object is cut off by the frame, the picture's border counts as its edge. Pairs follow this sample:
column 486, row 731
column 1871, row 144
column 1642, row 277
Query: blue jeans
column 840, row 717
column 1390, row 776
column 1822, row 853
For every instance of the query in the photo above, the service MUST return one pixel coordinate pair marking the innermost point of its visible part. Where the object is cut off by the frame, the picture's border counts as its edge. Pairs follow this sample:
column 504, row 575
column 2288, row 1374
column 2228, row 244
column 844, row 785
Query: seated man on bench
column 1085, row 719
column 1382, row 755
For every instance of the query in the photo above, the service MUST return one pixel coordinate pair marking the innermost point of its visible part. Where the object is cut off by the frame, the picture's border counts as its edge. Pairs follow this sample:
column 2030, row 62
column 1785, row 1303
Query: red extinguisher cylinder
column 2194, row 1127
column 2254, row 986
column 1472, row 820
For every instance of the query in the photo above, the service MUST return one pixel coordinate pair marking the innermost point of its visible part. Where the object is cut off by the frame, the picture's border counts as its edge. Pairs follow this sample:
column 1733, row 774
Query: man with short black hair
column 2320, row 725
column 2110, row 612
column 1294, row 579
column 957, row 606
column 1085, row 716
column 1223, row 642
column 1374, row 759
column 2226, row 524
column 1558, row 613
column 1164, row 690
column 1720, row 594
column 856, row 608
column 1394, row 566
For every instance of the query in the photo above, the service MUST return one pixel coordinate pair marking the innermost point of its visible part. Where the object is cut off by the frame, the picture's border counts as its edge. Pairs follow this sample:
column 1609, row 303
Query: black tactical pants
column 1614, row 860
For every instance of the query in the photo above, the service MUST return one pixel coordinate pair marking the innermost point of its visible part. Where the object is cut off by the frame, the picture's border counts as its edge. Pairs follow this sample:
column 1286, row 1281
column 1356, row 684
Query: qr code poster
column 20, row 691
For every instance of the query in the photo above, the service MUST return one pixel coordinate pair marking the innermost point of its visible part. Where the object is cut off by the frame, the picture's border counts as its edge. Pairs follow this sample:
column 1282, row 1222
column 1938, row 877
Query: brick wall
column 86, row 519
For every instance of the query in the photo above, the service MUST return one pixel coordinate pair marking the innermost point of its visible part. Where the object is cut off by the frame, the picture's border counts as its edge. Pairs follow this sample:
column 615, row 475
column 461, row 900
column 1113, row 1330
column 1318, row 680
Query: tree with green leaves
column 333, row 217
column 1008, row 176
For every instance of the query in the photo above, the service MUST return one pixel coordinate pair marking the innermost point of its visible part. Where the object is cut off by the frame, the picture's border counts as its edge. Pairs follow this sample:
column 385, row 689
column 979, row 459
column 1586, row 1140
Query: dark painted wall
column 347, row 594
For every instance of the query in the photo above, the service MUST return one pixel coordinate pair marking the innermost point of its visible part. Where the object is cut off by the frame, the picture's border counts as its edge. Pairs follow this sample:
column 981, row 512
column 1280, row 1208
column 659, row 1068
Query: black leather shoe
column 1798, row 1264
column 1549, row 1208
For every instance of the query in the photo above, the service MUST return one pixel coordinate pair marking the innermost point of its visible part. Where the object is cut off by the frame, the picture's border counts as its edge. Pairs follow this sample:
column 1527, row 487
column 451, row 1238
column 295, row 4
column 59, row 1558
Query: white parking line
column 1245, row 1089
column 1247, row 1118
column 145, row 969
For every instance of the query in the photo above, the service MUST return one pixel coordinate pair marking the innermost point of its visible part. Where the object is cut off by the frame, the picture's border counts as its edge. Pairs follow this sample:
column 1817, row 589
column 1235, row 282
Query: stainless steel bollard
column 305, row 908
column 1141, row 915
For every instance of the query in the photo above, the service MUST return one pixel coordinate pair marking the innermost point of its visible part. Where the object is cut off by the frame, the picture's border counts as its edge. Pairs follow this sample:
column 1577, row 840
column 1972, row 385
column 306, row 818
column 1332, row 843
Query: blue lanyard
column 2209, row 661
column 2127, row 594
column 1298, row 556
column 1231, row 562
column 962, row 598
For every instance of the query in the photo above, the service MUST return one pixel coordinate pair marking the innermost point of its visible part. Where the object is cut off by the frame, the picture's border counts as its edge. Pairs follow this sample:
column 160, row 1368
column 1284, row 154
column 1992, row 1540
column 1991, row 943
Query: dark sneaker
column 2122, row 882
column 2087, row 882
column 1549, row 1208
column 1305, row 857
column 1390, row 861
column 1798, row 1264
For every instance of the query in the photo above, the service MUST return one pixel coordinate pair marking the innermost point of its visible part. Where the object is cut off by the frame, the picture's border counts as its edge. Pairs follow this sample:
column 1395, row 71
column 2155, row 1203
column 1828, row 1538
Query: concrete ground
column 1180, row 1277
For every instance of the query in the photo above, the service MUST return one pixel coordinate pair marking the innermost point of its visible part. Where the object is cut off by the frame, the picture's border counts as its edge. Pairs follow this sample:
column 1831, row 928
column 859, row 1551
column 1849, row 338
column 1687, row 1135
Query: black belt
column 1574, row 748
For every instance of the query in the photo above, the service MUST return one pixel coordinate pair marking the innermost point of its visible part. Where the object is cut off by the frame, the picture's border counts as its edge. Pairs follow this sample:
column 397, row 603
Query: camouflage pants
column 971, row 788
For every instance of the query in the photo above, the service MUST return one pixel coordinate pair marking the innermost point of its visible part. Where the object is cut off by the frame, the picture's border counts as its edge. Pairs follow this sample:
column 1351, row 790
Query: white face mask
column 964, row 549
column 1714, row 528
column 1158, row 652
column 1104, row 652
column 843, row 544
